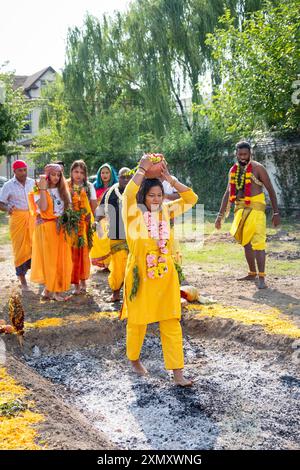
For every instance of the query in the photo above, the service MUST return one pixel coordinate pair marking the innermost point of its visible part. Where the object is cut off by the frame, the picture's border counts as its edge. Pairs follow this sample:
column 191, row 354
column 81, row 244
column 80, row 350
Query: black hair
column 59, row 162
column 146, row 185
column 243, row 144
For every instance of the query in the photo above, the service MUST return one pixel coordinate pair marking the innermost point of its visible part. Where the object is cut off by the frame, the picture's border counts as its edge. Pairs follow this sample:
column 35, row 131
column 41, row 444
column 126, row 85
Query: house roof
column 18, row 81
column 28, row 82
column 32, row 79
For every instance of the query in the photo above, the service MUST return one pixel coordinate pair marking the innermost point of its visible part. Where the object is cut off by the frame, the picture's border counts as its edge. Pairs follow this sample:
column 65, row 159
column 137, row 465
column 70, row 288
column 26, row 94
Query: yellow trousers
column 171, row 340
column 117, row 265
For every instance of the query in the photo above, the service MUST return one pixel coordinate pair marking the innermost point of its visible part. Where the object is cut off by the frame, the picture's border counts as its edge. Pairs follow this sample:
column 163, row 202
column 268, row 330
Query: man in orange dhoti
column 13, row 200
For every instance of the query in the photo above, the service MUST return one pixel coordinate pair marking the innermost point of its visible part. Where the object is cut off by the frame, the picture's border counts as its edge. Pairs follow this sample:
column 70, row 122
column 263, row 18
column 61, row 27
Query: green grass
column 218, row 255
column 4, row 230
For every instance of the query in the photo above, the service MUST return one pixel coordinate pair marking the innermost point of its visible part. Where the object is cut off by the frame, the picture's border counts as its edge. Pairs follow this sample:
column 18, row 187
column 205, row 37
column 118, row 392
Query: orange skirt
column 51, row 258
column 21, row 225
column 81, row 264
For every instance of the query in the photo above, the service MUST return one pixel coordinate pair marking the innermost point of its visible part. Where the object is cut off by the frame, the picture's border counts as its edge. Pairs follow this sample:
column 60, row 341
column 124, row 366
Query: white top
column 92, row 192
column 15, row 194
column 58, row 203
column 168, row 189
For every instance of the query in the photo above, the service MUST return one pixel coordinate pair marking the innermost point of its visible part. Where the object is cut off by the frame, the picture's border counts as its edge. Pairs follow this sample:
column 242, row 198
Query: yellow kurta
column 157, row 299
column 254, row 228
column 21, row 225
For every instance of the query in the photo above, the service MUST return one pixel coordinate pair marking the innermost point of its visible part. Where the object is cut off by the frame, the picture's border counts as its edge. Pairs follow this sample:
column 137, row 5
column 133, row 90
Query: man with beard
column 111, row 208
column 245, row 188
column 14, row 200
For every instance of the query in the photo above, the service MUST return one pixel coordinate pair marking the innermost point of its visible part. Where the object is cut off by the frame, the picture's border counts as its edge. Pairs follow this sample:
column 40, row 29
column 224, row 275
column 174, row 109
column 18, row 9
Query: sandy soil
column 66, row 407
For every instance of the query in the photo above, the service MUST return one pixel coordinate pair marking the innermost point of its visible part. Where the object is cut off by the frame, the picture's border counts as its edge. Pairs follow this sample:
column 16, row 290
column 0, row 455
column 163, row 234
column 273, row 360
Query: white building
column 32, row 86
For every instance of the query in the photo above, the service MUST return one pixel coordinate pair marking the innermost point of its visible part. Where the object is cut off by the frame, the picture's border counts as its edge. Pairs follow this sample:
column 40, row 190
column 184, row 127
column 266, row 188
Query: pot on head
column 156, row 169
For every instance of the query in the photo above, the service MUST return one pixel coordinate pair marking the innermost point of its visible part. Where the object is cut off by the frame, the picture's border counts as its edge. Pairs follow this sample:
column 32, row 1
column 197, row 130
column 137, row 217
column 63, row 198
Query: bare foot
column 104, row 270
column 24, row 287
column 249, row 277
column 77, row 290
column 45, row 295
column 58, row 298
column 261, row 283
column 23, row 282
column 83, row 287
column 138, row 368
column 115, row 297
column 180, row 380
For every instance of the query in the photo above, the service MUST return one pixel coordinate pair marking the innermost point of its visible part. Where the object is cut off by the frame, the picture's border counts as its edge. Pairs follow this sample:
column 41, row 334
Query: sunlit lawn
column 222, row 255
column 4, row 232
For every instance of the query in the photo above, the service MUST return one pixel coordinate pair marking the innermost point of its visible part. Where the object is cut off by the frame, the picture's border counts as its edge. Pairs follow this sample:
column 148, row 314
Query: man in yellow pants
column 245, row 189
column 111, row 207
column 14, row 200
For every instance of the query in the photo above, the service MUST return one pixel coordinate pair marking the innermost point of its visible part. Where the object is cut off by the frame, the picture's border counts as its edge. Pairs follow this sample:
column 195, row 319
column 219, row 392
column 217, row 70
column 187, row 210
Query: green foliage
column 258, row 65
column 181, row 276
column 201, row 158
column 122, row 86
column 12, row 408
column 135, row 283
column 12, row 114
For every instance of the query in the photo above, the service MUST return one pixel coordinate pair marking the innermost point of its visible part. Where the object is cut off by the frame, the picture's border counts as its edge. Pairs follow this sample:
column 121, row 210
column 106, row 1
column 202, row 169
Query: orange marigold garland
column 245, row 182
column 83, row 233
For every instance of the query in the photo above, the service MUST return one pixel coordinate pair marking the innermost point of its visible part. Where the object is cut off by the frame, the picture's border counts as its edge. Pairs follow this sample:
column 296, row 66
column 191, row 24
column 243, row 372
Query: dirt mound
column 65, row 427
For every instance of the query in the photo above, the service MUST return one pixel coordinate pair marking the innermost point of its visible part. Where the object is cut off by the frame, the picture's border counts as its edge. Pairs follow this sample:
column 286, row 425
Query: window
column 27, row 124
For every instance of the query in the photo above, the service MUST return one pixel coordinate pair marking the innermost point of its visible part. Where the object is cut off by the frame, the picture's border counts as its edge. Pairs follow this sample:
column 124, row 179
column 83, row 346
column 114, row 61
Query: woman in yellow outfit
column 151, row 287
column 51, row 251
column 100, row 252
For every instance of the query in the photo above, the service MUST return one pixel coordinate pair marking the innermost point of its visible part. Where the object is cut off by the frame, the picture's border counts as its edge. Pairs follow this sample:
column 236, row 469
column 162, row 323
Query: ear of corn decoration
column 16, row 314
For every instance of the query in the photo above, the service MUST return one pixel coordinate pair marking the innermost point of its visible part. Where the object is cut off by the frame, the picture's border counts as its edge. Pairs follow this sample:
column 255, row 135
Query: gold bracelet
column 173, row 182
column 140, row 173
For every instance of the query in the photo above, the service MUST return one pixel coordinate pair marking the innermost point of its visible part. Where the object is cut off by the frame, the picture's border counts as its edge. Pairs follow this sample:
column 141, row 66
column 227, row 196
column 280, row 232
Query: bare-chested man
column 245, row 188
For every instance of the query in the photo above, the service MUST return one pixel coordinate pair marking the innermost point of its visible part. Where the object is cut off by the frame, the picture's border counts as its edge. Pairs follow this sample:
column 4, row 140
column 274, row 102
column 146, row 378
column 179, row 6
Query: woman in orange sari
column 51, row 250
column 84, row 202
column 100, row 253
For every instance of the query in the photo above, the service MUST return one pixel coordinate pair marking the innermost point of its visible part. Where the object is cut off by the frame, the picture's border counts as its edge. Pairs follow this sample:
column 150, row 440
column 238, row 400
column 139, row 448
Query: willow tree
column 168, row 43
column 102, row 89
column 124, row 75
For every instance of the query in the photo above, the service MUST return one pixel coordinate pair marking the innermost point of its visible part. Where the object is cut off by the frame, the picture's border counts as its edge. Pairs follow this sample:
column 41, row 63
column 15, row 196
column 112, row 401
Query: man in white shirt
column 14, row 201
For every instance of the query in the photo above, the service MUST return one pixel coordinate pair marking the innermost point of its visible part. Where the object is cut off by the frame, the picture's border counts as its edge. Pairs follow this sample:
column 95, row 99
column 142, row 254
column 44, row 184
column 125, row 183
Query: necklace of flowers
column 115, row 188
column 157, row 264
column 245, row 181
column 80, row 204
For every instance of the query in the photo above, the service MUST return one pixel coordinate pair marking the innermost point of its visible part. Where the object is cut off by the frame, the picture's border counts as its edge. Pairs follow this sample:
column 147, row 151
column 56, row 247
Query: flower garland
column 82, row 226
column 114, row 188
column 157, row 263
column 238, row 182
column 155, row 157
column 135, row 283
